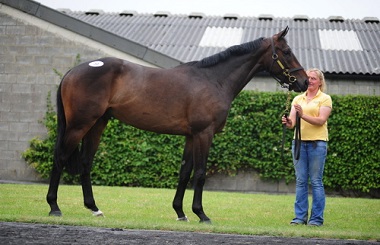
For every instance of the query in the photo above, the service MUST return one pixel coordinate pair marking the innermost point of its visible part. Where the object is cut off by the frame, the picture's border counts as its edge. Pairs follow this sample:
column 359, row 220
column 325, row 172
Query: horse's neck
column 236, row 73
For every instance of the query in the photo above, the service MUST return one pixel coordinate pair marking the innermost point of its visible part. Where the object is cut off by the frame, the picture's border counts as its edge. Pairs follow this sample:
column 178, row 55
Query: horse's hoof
column 184, row 219
column 208, row 222
column 55, row 213
column 98, row 213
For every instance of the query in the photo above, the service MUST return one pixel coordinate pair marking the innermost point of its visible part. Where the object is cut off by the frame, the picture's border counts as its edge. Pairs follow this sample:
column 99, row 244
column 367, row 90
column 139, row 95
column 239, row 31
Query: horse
column 192, row 100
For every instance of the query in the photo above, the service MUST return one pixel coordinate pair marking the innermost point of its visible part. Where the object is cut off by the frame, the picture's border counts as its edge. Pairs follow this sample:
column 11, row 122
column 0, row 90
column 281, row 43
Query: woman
column 314, row 108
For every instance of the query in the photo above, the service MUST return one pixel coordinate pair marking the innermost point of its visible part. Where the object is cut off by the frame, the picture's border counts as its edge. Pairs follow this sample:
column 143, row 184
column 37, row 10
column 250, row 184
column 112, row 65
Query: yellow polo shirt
column 309, row 131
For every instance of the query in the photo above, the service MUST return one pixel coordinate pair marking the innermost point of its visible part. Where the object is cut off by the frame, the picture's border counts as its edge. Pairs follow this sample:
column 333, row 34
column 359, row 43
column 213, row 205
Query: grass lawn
column 237, row 213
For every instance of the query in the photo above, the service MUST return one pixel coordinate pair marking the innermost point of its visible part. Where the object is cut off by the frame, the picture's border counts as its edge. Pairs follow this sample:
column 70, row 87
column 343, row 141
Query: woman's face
column 314, row 82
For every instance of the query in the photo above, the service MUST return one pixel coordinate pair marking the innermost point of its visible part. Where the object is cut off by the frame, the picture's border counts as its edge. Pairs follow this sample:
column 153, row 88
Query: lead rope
column 297, row 140
column 286, row 114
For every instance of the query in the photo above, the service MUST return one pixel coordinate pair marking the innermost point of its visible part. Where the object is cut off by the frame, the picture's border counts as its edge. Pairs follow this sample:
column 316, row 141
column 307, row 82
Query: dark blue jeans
column 310, row 166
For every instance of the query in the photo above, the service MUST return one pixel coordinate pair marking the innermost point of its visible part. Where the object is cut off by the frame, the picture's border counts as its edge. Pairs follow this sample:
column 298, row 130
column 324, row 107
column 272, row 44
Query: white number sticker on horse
column 96, row 63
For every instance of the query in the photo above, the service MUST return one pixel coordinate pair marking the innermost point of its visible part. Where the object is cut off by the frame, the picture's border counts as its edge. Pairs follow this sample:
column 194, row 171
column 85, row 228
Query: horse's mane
column 231, row 51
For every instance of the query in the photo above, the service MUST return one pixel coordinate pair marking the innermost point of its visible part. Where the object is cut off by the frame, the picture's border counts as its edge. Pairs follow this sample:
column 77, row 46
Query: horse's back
column 175, row 101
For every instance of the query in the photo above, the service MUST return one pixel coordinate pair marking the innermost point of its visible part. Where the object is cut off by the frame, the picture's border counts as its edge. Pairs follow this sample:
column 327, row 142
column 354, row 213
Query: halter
column 291, row 79
column 286, row 72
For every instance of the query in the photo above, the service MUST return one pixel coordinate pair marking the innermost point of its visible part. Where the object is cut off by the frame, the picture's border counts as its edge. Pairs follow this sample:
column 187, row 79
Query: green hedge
column 251, row 141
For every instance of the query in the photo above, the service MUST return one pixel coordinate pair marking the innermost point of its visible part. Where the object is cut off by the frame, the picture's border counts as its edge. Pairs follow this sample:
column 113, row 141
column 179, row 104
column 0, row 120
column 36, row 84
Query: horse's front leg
column 184, row 177
column 202, row 144
column 88, row 196
column 51, row 196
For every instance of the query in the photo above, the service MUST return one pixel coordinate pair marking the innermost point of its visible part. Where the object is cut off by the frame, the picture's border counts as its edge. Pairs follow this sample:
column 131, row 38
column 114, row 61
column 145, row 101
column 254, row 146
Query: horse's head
column 284, row 66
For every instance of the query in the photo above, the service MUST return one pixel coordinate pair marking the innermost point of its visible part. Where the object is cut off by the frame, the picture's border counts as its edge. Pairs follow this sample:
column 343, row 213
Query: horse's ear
column 283, row 32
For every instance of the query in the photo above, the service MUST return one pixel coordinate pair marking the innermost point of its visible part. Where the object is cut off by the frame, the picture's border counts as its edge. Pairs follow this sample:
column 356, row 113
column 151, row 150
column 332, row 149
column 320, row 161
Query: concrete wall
column 353, row 86
column 29, row 51
column 247, row 182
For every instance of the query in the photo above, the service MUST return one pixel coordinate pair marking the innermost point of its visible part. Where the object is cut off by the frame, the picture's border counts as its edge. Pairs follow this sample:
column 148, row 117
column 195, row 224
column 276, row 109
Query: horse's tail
column 72, row 164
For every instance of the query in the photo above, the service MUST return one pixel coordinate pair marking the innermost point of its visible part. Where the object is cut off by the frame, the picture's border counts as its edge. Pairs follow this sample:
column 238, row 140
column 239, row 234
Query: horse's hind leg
column 89, row 147
column 184, row 177
column 61, row 156
column 51, row 197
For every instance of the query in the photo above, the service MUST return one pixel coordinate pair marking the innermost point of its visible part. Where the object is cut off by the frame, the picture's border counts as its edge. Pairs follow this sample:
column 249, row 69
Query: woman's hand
column 298, row 110
column 286, row 121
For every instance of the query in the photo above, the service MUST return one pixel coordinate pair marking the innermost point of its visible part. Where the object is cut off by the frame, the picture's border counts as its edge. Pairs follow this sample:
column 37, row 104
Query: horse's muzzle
column 299, row 86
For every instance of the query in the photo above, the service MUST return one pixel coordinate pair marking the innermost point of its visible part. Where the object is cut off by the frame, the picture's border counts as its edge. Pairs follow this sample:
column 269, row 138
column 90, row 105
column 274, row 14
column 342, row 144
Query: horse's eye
column 287, row 52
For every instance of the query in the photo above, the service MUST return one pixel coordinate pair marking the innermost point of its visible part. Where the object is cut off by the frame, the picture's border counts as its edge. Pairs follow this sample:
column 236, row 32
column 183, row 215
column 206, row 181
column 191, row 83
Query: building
column 36, row 41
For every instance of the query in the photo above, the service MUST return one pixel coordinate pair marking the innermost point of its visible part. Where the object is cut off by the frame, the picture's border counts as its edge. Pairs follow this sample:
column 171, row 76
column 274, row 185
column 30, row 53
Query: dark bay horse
column 192, row 100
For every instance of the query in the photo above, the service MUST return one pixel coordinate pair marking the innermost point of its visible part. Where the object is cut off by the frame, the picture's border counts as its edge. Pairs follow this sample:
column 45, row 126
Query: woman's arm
column 324, row 113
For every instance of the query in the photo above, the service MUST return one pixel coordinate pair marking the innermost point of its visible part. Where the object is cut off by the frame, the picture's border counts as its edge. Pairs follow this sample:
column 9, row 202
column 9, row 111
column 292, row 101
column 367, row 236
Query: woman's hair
column 320, row 76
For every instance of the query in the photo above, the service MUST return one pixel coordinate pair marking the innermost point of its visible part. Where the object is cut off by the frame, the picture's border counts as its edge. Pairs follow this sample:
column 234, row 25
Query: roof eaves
column 29, row 7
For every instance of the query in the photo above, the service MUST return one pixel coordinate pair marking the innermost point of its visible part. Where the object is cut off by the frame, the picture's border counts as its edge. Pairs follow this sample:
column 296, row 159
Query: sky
column 348, row 9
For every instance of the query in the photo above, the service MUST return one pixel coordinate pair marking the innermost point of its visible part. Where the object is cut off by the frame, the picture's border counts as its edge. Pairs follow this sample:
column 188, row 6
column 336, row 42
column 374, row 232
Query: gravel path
column 24, row 233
